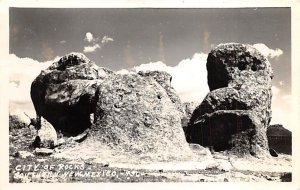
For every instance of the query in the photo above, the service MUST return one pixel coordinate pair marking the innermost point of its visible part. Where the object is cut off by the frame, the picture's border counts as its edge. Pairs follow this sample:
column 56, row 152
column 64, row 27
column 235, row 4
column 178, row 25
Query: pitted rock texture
column 239, row 78
column 229, row 98
column 135, row 114
column 238, row 131
column 242, row 67
column 237, row 65
column 64, row 93
column 164, row 79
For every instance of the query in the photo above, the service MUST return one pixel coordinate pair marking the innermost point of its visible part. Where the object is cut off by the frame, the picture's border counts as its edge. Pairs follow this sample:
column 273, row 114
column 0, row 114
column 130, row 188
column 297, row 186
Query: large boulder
column 164, row 79
column 64, row 93
column 237, row 65
column 244, row 68
column 236, row 113
column 135, row 114
column 229, row 98
column 280, row 139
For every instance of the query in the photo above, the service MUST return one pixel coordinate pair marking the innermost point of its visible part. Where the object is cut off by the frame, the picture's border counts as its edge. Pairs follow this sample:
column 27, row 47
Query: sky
column 174, row 40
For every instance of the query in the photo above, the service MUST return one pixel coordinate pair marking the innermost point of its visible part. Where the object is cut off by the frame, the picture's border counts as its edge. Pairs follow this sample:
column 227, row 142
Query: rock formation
column 236, row 113
column 135, row 114
column 280, row 139
column 138, row 113
column 189, row 108
column 164, row 79
column 243, row 68
column 237, row 65
column 237, row 131
column 64, row 93
column 46, row 135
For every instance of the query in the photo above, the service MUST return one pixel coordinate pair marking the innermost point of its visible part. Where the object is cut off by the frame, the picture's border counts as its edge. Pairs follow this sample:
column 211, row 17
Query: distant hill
column 280, row 139
column 278, row 130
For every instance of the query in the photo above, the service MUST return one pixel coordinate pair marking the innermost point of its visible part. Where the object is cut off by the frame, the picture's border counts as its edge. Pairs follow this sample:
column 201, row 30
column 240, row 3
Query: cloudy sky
column 174, row 40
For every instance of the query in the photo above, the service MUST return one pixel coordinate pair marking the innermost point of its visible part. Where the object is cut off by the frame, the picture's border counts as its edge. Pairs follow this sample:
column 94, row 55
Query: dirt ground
column 25, row 166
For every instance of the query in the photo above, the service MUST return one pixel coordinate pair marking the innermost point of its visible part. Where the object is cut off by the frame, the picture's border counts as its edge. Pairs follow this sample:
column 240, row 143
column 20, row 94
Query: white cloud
column 22, row 71
column 95, row 41
column 156, row 66
column 268, row 52
column 63, row 41
column 189, row 77
column 106, row 39
column 281, row 108
column 89, row 49
column 89, row 37
column 125, row 71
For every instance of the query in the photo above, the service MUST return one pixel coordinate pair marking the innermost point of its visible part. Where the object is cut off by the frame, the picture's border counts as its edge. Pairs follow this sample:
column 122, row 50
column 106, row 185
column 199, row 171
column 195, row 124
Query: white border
column 4, row 43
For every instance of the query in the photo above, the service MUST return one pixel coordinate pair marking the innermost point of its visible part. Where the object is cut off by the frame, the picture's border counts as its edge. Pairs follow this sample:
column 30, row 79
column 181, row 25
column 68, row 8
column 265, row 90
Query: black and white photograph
column 143, row 94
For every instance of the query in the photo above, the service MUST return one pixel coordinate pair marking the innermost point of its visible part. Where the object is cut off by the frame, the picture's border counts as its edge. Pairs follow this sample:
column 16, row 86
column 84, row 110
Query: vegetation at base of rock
column 15, row 122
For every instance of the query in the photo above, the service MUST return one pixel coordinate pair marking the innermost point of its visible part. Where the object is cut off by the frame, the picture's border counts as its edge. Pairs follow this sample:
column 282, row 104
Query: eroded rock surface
column 135, row 114
column 234, row 116
column 238, row 131
column 237, row 65
column 229, row 98
column 64, row 93
column 164, row 79
column 242, row 67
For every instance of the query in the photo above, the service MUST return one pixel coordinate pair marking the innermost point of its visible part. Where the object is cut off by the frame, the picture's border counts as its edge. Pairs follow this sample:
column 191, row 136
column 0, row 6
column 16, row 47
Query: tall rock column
column 234, row 116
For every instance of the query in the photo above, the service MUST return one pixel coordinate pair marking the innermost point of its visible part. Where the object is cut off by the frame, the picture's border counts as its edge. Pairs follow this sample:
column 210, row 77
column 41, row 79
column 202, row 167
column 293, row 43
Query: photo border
column 295, row 47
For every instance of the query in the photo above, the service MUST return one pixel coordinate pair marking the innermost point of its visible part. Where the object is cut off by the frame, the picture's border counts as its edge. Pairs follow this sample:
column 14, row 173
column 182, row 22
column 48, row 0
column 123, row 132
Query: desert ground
column 26, row 166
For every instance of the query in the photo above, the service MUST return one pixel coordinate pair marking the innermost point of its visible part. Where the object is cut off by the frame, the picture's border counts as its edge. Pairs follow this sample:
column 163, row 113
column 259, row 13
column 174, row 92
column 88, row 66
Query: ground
column 220, row 167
